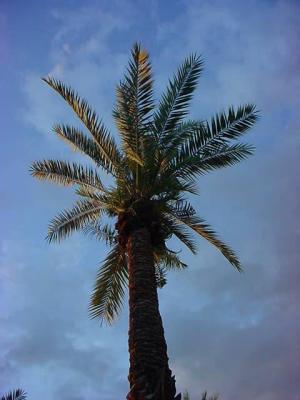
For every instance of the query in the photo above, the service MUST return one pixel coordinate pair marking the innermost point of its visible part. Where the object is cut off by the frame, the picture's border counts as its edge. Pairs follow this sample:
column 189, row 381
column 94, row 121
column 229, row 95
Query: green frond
column 180, row 232
column 168, row 186
column 109, row 201
column 78, row 141
column 183, row 208
column 18, row 394
column 203, row 229
column 66, row 174
column 170, row 261
column 220, row 157
column 173, row 106
column 72, row 220
column 222, row 129
column 165, row 261
column 182, row 134
column 107, row 297
column 232, row 125
column 106, row 144
column 157, row 158
column 101, row 232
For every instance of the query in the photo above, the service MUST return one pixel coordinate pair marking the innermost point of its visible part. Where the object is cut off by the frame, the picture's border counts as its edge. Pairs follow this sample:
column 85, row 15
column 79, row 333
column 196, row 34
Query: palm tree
column 152, row 171
column 18, row 394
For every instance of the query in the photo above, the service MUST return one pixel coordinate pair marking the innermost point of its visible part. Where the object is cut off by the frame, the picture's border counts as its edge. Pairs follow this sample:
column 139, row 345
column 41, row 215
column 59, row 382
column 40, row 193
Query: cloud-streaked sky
column 235, row 334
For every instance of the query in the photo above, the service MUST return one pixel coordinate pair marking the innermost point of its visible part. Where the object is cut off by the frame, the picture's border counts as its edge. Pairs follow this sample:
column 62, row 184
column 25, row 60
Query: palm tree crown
column 153, row 170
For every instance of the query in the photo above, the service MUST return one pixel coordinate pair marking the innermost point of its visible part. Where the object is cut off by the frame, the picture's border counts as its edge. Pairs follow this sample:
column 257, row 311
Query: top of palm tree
column 154, row 169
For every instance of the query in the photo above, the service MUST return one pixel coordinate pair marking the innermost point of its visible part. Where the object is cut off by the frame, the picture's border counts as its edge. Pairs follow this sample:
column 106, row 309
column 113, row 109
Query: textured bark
column 149, row 373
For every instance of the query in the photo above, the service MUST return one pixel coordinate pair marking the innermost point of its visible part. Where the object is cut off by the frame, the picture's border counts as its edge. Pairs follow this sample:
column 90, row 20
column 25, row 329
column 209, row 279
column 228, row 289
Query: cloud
column 51, row 335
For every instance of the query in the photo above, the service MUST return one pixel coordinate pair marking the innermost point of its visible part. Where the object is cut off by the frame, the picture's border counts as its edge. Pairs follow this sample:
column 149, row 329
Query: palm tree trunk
column 149, row 373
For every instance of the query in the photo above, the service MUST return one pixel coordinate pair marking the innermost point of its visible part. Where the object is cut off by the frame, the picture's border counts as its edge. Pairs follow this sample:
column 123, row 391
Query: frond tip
column 107, row 148
column 72, row 220
column 64, row 173
column 174, row 104
column 198, row 225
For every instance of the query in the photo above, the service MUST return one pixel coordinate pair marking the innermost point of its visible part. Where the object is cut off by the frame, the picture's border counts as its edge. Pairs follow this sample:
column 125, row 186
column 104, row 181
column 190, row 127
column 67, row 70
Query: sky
column 228, row 333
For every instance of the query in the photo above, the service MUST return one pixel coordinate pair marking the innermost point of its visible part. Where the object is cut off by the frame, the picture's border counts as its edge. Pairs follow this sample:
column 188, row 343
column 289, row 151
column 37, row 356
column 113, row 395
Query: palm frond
column 17, row 394
column 223, row 128
column 232, row 125
column 203, row 229
column 101, row 232
column 164, row 261
column 134, row 103
column 72, row 220
column 170, row 261
column 157, row 158
column 80, row 142
column 180, row 232
column 220, row 157
column 66, row 174
column 111, row 202
column 107, row 297
column 173, row 106
column 160, row 275
column 180, row 136
column 104, row 141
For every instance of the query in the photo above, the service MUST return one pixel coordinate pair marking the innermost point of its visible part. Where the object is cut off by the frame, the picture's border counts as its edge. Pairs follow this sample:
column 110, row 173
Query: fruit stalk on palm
column 153, row 173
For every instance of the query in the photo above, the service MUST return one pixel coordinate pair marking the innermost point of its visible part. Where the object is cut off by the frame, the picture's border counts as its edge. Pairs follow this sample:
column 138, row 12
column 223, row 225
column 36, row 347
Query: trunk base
column 160, row 389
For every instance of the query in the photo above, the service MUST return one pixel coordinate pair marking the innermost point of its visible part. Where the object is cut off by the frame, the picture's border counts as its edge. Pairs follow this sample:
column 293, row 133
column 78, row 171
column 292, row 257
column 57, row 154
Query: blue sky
column 234, row 334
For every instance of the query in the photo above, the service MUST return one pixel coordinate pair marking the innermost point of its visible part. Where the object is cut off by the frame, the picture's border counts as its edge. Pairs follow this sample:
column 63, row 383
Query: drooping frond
column 110, row 200
column 170, row 261
column 104, row 141
column 203, row 229
column 183, row 208
column 18, row 394
column 165, row 261
column 101, row 232
column 134, row 104
column 173, row 106
column 80, row 142
column 72, row 220
column 180, row 232
column 109, row 290
column 160, row 275
column 64, row 173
